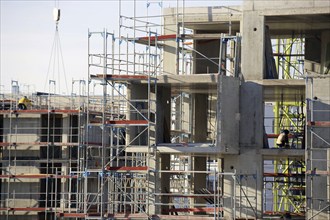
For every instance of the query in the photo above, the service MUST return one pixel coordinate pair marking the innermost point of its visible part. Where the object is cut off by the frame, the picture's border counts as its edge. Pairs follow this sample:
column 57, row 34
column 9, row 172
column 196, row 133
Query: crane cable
column 56, row 61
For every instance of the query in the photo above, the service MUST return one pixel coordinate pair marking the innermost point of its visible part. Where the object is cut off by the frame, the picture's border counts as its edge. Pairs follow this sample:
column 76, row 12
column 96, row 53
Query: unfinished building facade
column 186, row 124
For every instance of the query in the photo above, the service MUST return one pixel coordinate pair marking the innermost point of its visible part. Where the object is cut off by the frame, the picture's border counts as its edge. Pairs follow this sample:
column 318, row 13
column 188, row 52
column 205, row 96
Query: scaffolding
column 96, row 157
column 39, row 153
column 112, row 156
column 129, row 171
column 317, row 147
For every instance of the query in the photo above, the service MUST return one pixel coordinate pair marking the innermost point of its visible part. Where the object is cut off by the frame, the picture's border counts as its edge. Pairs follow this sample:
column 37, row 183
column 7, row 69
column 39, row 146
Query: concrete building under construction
column 192, row 102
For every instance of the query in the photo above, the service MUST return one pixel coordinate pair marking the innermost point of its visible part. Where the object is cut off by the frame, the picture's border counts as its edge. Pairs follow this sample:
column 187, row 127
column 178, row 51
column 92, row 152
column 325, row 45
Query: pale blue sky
column 27, row 31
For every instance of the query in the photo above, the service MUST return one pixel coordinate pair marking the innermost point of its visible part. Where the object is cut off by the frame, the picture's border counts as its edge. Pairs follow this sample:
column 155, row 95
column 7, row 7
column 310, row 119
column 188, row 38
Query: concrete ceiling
column 273, row 89
column 298, row 24
column 307, row 24
column 283, row 90
column 196, row 83
column 214, row 27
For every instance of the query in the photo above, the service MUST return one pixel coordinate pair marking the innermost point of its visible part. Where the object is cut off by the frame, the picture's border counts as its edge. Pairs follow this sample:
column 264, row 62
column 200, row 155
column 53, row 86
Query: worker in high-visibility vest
column 283, row 139
column 23, row 103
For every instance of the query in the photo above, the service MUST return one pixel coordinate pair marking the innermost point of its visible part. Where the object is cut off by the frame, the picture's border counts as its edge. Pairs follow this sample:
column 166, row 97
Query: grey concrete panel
column 251, row 118
column 26, row 129
column 228, row 115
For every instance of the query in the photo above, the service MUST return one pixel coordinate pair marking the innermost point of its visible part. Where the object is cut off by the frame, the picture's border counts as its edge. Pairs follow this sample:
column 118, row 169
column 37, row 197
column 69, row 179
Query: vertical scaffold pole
column 102, row 177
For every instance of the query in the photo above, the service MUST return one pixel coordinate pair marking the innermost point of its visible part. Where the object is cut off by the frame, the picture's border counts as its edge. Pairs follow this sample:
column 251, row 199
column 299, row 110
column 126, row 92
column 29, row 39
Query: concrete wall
column 23, row 129
column 29, row 129
column 283, row 4
column 251, row 118
column 26, row 129
column 228, row 115
column 23, row 192
column 249, row 182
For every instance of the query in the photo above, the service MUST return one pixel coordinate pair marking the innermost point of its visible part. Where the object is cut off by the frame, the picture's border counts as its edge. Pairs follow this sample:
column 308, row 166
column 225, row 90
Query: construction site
column 191, row 103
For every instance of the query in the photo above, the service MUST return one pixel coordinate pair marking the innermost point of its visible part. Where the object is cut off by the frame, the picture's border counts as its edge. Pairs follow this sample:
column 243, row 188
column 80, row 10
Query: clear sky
column 27, row 31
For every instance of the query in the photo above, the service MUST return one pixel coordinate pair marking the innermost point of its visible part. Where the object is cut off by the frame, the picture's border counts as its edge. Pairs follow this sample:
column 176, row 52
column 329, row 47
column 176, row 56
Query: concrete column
column 253, row 30
column 169, row 55
column 200, row 118
column 65, row 155
column 140, row 92
column 65, row 139
column 251, row 122
column 164, row 182
column 199, row 164
column 152, row 187
column 135, row 92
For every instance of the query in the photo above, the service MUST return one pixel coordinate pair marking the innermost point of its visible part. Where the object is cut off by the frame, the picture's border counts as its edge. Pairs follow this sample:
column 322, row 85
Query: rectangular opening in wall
column 284, row 47
column 284, row 115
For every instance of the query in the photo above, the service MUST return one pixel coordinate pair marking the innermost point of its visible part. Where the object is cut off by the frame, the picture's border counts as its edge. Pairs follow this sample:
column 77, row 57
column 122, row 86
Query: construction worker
column 23, row 103
column 283, row 139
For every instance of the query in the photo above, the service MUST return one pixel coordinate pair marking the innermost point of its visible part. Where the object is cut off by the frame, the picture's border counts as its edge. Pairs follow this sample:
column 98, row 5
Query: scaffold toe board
column 319, row 123
column 127, row 122
column 124, row 78
column 127, row 169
